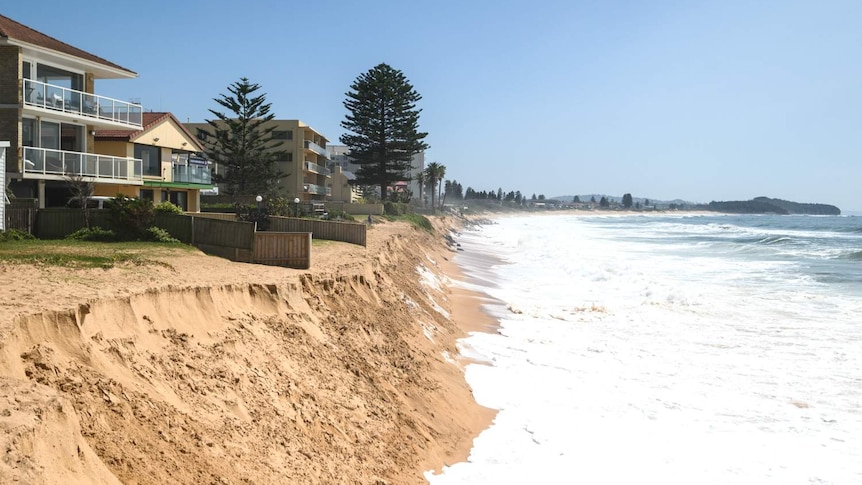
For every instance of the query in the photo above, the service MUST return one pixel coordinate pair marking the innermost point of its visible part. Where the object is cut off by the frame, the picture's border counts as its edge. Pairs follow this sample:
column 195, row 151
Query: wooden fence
column 356, row 209
column 231, row 239
column 59, row 223
column 225, row 216
column 292, row 249
column 20, row 219
column 349, row 232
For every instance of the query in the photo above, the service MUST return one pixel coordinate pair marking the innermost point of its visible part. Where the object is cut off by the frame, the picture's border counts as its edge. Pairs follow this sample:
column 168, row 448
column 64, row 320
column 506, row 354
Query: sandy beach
column 201, row 370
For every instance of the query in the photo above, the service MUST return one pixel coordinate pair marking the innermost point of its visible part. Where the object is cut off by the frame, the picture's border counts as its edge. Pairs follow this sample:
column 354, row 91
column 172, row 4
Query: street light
column 296, row 201
column 259, row 200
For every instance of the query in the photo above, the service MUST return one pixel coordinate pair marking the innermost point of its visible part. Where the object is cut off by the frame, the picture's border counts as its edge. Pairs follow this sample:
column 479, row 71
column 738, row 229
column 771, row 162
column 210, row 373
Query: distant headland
column 765, row 205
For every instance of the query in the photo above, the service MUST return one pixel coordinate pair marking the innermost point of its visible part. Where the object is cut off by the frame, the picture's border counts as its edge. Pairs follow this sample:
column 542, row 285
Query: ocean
column 668, row 349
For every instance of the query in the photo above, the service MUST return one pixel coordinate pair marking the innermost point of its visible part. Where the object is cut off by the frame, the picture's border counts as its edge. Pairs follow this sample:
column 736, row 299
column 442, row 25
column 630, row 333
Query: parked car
column 93, row 202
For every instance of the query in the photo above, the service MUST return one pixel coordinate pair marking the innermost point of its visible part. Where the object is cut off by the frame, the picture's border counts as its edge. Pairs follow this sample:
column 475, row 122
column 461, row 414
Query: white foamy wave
column 632, row 352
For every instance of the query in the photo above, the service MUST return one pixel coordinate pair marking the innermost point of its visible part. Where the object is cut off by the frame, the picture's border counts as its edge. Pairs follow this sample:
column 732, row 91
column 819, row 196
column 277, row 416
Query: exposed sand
column 208, row 371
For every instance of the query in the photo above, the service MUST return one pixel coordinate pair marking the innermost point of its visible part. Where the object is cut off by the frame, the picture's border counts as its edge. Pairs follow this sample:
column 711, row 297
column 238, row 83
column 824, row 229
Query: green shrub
column 157, row 234
column 131, row 217
column 15, row 235
column 336, row 214
column 167, row 207
column 253, row 213
column 419, row 221
column 94, row 234
column 396, row 208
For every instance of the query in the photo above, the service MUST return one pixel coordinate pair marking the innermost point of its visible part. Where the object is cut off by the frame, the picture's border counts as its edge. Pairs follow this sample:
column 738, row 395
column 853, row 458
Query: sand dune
column 207, row 371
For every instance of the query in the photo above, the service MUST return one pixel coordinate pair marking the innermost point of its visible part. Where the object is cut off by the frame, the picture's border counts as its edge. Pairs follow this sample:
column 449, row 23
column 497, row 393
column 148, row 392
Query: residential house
column 49, row 111
column 304, row 162
column 172, row 164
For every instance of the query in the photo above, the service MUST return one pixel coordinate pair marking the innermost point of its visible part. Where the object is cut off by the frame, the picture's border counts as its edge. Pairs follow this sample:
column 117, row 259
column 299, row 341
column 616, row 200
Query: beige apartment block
column 50, row 111
column 305, row 159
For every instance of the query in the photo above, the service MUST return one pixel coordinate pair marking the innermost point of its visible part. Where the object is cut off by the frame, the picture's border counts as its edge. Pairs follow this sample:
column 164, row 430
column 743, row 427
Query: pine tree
column 627, row 201
column 383, row 122
column 239, row 142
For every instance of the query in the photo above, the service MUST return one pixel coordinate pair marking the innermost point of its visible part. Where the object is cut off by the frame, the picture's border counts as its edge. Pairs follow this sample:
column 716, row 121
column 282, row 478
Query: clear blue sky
column 708, row 100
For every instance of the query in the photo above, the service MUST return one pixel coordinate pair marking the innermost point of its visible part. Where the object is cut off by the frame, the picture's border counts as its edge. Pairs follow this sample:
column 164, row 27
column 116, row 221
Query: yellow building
column 171, row 165
column 305, row 160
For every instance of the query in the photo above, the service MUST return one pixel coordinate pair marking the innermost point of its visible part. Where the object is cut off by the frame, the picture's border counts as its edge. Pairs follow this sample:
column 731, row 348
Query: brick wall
column 10, row 103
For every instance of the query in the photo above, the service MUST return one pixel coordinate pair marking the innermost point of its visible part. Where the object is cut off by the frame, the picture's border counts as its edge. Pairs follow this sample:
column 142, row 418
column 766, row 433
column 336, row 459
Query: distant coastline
column 765, row 205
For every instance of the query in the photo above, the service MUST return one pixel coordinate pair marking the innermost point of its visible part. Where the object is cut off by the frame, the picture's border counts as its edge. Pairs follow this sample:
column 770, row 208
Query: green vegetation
column 765, row 205
column 241, row 143
column 15, row 235
column 84, row 254
column 383, row 126
column 396, row 208
column 416, row 220
column 434, row 174
column 167, row 207
column 93, row 234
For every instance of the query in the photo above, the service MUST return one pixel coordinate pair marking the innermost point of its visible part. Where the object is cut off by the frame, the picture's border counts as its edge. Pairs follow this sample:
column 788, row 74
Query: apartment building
column 341, row 158
column 305, row 159
column 50, row 112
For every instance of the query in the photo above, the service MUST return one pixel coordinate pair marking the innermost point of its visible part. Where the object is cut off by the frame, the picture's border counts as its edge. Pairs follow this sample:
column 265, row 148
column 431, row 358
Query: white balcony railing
column 315, row 168
column 310, row 145
column 317, row 189
column 79, row 103
column 46, row 163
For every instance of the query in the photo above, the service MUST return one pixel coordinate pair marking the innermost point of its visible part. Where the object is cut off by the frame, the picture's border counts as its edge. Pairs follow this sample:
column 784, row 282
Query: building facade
column 172, row 164
column 341, row 158
column 305, row 161
column 50, row 112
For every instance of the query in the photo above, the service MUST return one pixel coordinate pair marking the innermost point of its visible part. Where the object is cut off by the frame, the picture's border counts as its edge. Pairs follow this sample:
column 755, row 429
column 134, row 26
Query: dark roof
column 148, row 120
column 11, row 29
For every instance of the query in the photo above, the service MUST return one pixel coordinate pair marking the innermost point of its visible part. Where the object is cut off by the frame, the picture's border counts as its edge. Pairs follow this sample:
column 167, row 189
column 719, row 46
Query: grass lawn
column 85, row 254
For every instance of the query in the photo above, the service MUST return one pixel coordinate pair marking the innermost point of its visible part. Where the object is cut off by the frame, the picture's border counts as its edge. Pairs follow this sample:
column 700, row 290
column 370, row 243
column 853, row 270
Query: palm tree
column 420, row 180
column 434, row 174
column 440, row 175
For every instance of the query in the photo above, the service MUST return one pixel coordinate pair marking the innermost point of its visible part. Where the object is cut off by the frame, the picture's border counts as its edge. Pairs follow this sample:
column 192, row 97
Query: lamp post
column 296, row 202
column 259, row 200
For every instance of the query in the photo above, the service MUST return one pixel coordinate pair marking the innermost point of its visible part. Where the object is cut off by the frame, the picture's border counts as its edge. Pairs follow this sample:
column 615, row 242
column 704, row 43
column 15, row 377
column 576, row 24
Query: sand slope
column 207, row 371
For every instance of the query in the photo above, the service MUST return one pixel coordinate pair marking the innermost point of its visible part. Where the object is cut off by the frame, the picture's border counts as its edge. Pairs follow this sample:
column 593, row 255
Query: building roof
column 11, row 29
column 148, row 121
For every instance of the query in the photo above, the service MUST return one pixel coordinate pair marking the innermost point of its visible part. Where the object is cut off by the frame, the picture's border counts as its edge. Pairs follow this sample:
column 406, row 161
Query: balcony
column 95, row 109
column 315, row 168
column 310, row 145
column 317, row 189
column 42, row 163
column 192, row 174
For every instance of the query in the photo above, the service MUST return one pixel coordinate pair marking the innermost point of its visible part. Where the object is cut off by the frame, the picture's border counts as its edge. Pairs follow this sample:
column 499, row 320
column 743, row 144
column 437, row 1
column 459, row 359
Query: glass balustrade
column 192, row 174
column 79, row 103
column 43, row 161
column 313, row 167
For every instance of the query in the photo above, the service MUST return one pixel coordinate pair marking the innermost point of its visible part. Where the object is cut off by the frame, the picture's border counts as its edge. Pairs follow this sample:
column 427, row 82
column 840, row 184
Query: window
column 288, row 157
column 146, row 194
column 282, row 134
column 71, row 137
column 202, row 135
column 49, row 135
column 28, row 132
column 26, row 69
column 59, row 77
column 150, row 156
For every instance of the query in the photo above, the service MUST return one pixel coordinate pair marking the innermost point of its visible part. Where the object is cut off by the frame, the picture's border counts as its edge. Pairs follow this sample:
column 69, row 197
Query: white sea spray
column 669, row 350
